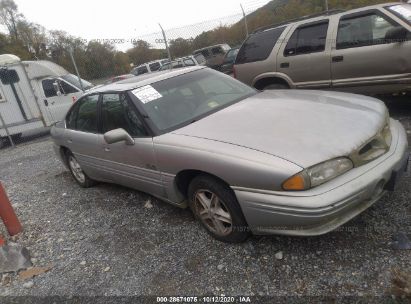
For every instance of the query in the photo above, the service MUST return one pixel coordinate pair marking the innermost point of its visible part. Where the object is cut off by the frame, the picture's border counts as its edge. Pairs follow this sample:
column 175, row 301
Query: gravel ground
column 109, row 240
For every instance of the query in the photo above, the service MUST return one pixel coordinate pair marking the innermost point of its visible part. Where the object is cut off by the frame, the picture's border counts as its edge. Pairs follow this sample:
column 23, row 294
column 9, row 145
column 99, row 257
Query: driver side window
column 48, row 87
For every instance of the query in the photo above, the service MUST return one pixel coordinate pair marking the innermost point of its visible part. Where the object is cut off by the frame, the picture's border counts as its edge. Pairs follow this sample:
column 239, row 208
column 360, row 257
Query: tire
column 207, row 196
column 276, row 86
column 77, row 172
column 4, row 141
column 17, row 137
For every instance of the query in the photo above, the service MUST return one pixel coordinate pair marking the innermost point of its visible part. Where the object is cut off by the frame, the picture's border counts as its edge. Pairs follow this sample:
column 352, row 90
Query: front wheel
column 77, row 172
column 216, row 207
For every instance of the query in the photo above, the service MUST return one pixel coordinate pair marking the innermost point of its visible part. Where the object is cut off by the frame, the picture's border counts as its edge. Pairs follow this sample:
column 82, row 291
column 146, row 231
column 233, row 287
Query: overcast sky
column 126, row 19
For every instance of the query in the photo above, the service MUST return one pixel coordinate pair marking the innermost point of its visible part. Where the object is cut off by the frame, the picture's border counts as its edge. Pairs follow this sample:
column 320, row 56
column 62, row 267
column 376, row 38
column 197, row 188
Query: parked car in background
column 228, row 63
column 214, row 54
column 184, row 62
column 286, row 162
column 365, row 50
column 34, row 94
column 148, row 67
column 118, row 78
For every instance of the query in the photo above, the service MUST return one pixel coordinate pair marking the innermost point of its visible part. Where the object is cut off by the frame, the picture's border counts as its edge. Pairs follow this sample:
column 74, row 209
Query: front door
column 129, row 165
column 58, row 102
column 365, row 56
column 305, row 56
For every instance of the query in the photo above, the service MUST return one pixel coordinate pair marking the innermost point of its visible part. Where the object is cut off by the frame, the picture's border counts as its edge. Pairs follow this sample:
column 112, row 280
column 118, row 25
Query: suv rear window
column 259, row 46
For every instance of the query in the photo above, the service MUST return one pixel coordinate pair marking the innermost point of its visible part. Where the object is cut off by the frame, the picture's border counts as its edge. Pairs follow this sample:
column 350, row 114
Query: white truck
column 34, row 94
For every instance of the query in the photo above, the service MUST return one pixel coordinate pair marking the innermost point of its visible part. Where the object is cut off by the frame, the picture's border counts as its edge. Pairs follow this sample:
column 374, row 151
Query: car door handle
column 46, row 103
column 69, row 141
column 285, row 65
column 107, row 149
column 338, row 58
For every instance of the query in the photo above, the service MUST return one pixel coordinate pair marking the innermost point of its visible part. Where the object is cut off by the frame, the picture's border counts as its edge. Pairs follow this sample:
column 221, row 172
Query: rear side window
column 259, row 46
column 307, row 39
column 86, row 117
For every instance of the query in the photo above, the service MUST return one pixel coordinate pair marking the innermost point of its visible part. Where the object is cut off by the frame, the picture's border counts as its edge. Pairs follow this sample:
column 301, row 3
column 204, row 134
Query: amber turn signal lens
column 297, row 182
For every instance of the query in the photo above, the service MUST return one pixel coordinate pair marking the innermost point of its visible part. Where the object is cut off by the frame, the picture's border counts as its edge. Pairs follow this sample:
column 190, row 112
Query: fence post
column 75, row 67
column 7, row 130
column 245, row 21
column 165, row 41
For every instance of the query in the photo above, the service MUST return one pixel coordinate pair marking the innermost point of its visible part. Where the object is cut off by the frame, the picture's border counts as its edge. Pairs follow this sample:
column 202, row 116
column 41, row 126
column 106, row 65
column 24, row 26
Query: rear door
column 58, row 102
column 129, row 165
column 82, row 137
column 363, row 56
column 305, row 56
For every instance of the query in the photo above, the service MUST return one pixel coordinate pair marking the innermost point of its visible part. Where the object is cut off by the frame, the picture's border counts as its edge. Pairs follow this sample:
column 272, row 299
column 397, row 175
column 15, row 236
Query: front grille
column 373, row 148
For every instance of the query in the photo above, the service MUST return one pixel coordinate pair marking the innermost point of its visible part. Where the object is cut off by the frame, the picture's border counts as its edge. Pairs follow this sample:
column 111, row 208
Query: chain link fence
column 36, row 94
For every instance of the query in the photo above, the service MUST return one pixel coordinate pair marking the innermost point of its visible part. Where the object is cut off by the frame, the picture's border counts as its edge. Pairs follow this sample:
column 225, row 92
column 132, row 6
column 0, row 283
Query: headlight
column 318, row 174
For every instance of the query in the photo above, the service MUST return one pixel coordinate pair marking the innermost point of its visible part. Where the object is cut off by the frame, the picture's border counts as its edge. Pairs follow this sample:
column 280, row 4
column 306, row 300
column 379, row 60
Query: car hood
column 303, row 127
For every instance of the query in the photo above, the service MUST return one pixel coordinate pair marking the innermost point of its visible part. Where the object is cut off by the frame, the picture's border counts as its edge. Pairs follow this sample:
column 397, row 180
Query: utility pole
column 245, row 21
column 326, row 5
column 75, row 67
column 166, row 43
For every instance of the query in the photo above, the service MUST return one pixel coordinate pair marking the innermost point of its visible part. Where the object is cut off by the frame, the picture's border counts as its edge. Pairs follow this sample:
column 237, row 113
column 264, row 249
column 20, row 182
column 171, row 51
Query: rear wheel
column 276, row 86
column 216, row 207
column 77, row 172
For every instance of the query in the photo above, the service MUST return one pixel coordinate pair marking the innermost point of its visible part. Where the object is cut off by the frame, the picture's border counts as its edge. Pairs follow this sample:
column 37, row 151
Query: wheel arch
column 266, row 79
column 183, row 179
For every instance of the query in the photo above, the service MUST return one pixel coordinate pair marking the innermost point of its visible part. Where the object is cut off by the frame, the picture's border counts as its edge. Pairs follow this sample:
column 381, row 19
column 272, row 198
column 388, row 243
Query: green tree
column 9, row 17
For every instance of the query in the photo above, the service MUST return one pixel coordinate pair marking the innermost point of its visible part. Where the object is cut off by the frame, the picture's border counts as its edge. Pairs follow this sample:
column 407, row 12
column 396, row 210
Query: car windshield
column 73, row 79
column 177, row 101
column 402, row 10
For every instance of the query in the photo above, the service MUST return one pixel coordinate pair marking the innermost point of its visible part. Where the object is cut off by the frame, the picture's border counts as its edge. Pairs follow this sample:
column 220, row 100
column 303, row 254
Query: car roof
column 142, row 80
column 323, row 15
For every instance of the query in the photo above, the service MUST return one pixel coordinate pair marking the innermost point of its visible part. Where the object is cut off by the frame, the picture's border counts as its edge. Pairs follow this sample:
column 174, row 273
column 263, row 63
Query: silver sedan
column 275, row 162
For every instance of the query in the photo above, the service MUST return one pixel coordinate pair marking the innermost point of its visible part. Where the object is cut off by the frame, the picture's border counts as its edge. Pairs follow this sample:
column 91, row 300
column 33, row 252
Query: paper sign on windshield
column 146, row 94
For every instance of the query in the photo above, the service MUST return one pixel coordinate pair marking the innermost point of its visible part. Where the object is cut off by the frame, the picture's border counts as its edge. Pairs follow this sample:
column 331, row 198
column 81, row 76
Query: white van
column 34, row 94
column 149, row 67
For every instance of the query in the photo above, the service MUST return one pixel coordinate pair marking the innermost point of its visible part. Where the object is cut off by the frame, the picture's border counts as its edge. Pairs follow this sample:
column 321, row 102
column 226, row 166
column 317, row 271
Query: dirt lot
column 110, row 240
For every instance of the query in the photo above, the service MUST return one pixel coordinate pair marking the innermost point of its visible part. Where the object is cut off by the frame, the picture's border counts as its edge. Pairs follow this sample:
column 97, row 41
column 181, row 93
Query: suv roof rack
column 324, row 13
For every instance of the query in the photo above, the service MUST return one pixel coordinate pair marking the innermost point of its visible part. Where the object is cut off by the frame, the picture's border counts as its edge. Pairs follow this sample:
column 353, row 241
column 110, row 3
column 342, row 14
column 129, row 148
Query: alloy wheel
column 76, row 170
column 213, row 212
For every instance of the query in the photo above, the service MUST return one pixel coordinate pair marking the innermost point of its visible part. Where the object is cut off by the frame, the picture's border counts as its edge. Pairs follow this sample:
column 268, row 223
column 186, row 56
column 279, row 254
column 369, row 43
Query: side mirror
column 118, row 135
column 397, row 34
column 56, row 88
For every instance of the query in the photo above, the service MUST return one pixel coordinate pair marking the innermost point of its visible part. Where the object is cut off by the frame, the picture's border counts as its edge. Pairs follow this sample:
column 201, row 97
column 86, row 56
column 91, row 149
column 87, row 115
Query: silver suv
column 366, row 50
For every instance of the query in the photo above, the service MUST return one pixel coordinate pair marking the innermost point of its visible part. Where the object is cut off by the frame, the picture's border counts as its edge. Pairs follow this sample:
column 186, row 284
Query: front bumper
column 324, row 208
